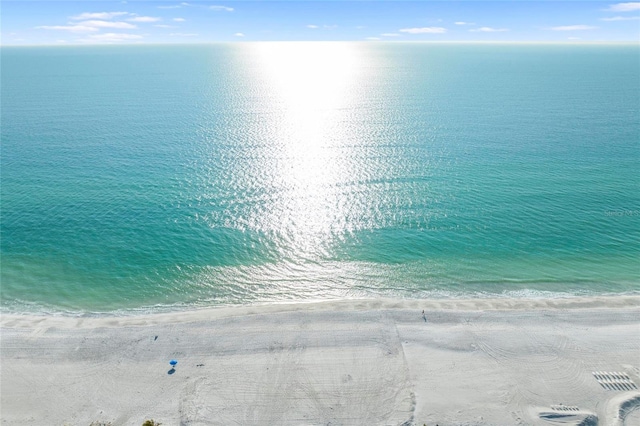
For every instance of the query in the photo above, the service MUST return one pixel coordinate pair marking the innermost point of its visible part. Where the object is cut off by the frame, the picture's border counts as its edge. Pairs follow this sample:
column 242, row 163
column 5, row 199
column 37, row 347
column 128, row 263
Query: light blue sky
column 93, row 22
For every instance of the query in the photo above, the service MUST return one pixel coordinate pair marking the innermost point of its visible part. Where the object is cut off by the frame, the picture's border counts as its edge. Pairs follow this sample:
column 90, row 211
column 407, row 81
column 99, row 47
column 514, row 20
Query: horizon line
column 579, row 42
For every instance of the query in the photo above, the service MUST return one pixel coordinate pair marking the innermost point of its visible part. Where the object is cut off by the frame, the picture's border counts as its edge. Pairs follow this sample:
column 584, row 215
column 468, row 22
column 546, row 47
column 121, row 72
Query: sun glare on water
column 313, row 87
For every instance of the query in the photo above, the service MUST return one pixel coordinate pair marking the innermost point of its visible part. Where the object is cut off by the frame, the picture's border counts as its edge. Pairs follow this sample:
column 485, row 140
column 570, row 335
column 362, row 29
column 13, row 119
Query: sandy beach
column 354, row 362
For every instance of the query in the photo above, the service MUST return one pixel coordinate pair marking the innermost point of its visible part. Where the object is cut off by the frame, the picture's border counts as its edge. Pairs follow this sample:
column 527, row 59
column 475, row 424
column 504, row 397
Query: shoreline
column 374, row 361
column 89, row 319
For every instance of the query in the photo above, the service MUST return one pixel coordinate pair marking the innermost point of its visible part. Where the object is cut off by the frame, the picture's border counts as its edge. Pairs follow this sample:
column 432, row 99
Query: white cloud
column 573, row 28
column 165, row 26
column 183, row 35
column 327, row 27
column 179, row 19
column 72, row 28
column 424, row 30
column 144, row 19
column 221, row 8
column 239, row 35
column 108, row 24
column 488, row 30
column 621, row 18
column 624, row 7
column 175, row 6
column 115, row 37
column 97, row 15
column 463, row 23
column 390, row 35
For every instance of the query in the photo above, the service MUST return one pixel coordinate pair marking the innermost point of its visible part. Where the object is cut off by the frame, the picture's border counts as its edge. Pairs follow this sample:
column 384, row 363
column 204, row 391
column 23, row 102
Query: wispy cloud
column 179, row 19
column 624, row 7
column 144, row 19
column 326, row 27
column 424, row 30
column 221, row 8
column 89, row 22
column 390, row 35
column 183, row 34
column 373, row 38
column 108, row 24
column 165, row 26
column 573, row 28
column 175, row 6
column 463, row 23
column 72, row 28
column 239, row 35
column 488, row 30
column 97, row 15
column 621, row 18
column 114, row 37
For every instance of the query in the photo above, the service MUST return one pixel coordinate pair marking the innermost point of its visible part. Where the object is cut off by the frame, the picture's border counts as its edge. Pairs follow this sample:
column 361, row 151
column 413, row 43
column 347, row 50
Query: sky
column 52, row 22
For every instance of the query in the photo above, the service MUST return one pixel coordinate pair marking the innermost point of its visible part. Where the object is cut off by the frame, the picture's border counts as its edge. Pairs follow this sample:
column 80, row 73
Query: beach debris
column 614, row 380
column 155, row 338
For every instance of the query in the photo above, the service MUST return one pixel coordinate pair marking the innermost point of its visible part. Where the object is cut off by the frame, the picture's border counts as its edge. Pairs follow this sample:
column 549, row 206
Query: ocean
column 159, row 177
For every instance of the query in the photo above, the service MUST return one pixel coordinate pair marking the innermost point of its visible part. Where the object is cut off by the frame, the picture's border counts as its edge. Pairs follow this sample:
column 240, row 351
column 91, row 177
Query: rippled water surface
column 149, row 176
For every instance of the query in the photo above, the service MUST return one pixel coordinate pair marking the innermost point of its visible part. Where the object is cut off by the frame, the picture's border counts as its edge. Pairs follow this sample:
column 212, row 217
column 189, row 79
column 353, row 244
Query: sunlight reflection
column 312, row 86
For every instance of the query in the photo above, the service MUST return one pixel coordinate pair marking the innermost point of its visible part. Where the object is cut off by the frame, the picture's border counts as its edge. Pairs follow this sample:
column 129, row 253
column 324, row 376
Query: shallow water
column 169, row 176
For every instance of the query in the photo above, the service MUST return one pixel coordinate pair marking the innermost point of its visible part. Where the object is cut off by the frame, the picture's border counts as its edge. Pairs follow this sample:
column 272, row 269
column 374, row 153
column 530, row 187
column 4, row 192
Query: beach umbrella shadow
column 173, row 363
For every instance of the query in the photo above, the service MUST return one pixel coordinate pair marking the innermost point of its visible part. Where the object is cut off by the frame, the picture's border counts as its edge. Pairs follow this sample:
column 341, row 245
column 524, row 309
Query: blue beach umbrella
column 173, row 363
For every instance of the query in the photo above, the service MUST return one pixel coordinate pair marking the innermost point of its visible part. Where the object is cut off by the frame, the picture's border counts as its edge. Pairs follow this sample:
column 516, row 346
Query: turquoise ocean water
column 165, row 177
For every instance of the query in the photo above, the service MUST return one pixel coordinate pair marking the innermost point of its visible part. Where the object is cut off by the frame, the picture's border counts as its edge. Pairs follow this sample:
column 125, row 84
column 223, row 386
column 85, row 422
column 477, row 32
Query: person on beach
column 424, row 317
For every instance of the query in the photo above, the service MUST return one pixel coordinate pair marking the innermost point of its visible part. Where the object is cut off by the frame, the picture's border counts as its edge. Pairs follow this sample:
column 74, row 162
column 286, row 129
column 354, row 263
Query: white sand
column 482, row 362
